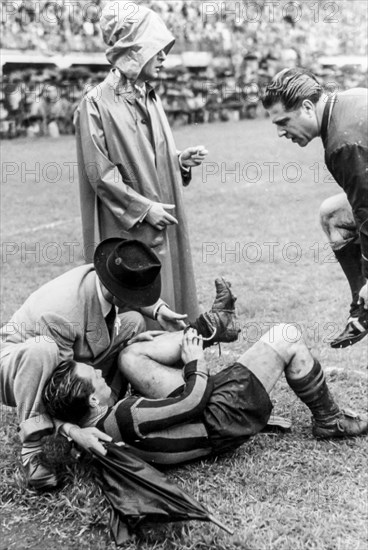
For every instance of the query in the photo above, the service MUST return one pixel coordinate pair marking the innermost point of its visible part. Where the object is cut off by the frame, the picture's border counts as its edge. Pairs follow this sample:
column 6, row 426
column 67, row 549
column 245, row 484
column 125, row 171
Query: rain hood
column 134, row 35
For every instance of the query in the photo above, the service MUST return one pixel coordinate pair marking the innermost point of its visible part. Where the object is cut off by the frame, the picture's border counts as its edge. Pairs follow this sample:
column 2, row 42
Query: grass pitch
column 253, row 213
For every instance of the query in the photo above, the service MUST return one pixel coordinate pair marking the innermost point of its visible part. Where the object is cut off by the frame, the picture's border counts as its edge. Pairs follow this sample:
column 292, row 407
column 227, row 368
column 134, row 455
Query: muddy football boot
column 354, row 331
column 219, row 324
column 346, row 424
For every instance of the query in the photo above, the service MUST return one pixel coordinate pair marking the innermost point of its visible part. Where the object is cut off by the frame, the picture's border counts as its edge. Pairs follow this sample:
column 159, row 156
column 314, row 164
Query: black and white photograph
column 184, row 274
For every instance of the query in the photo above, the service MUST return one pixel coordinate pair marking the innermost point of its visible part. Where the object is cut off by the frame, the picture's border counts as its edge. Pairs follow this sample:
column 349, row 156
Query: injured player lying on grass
column 179, row 414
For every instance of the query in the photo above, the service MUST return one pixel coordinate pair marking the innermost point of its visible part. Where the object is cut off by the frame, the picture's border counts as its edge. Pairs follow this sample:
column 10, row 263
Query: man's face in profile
column 300, row 125
column 153, row 67
column 102, row 391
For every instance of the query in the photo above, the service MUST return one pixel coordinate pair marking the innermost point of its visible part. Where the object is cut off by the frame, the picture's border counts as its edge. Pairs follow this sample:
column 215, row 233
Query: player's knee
column 333, row 211
column 285, row 339
column 327, row 213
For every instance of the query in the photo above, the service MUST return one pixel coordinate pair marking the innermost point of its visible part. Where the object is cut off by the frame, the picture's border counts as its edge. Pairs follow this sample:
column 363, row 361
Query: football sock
column 313, row 391
column 29, row 449
column 350, row 260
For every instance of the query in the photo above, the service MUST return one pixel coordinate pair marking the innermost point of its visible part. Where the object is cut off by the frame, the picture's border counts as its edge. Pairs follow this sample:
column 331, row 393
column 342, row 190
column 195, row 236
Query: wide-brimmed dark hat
column 129, row 270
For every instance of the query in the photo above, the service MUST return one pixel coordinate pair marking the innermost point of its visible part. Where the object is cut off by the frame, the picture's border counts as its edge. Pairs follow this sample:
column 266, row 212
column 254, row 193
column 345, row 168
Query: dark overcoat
column 345, row 139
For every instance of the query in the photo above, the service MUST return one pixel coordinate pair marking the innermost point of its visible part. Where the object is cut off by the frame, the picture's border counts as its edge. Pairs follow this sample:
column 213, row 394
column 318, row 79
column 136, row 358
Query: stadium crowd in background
column 234, row 26
column 249, row 42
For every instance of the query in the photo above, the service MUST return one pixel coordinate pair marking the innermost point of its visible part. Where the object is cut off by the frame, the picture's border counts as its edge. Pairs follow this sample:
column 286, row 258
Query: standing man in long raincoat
column 131, row 174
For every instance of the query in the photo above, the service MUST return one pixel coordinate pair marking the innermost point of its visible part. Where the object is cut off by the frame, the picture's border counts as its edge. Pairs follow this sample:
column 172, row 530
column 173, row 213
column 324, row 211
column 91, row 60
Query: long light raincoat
column 127, row 156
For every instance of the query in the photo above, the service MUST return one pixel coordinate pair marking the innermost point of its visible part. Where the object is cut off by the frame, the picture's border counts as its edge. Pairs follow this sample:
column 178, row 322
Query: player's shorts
column 238, row 408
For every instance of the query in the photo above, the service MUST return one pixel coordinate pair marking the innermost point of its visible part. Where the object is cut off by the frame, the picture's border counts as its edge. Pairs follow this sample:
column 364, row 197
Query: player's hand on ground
column 363, row 296
column 89, row 438
column 170, row 320
column 192, row 346
column 159, row 217
column 146, row 336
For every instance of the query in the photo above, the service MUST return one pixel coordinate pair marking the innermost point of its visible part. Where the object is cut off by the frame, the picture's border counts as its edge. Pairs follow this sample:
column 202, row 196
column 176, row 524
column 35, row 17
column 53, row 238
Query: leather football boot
column 38, row 475
column 219, row 323
column 346, row 424
column 354, row 331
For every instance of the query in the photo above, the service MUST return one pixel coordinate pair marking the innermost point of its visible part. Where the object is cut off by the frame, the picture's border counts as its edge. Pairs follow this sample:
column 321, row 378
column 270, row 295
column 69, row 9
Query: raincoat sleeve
column 350, row 168
column 186, row 176
column 186, row 173
column 104, row 177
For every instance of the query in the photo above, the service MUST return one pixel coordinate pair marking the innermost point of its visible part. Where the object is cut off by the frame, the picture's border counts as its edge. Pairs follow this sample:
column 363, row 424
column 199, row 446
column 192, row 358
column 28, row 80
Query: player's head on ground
column 294, row 100
column 129, row 272
column 74, row 390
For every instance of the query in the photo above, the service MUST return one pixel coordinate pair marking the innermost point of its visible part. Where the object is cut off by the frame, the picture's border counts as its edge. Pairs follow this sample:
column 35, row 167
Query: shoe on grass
column 354, row 331
column 38, row 475
column 219, row 323
column 346, row 424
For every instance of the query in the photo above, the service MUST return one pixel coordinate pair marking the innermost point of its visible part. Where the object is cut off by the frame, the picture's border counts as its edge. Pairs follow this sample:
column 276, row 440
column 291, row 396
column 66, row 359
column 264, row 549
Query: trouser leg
column 338, row 223
column 25, row 368
column 128, row 325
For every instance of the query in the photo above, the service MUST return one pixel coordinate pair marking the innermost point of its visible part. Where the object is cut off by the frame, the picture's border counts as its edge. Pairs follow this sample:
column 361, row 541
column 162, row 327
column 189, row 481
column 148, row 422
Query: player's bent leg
column 306, row 378
column 164, row 349
column 337, row 220
column 328, row 420
column 275, row 350
column 148, row 366
column 283, row 349
column 338, row 223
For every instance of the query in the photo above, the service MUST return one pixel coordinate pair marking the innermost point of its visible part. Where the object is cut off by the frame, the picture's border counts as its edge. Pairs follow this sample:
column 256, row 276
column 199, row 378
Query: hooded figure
column 128, row 162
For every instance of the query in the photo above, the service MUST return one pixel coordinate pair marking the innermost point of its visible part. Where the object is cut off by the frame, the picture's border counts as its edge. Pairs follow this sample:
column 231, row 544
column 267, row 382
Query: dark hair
column 65, row 396
column 291, row 87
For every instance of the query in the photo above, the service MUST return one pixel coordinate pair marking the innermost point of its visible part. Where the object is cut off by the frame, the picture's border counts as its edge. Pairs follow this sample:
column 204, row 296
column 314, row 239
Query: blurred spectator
column 305, row 26
column 43, row 103
column 54, row 110
column 248, row 48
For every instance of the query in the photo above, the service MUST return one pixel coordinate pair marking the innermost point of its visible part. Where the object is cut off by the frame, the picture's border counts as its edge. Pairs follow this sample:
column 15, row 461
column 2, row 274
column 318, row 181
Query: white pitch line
column 41, row 227
column 330, row 370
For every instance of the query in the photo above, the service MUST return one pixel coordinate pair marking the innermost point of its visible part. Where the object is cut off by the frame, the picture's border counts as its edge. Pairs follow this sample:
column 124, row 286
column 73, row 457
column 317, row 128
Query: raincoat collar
column 134, row 34
column 126, row 88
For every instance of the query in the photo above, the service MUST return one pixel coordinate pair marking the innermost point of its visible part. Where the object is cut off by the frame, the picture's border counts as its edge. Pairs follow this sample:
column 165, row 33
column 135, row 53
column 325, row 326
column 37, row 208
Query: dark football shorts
column 238, row 408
